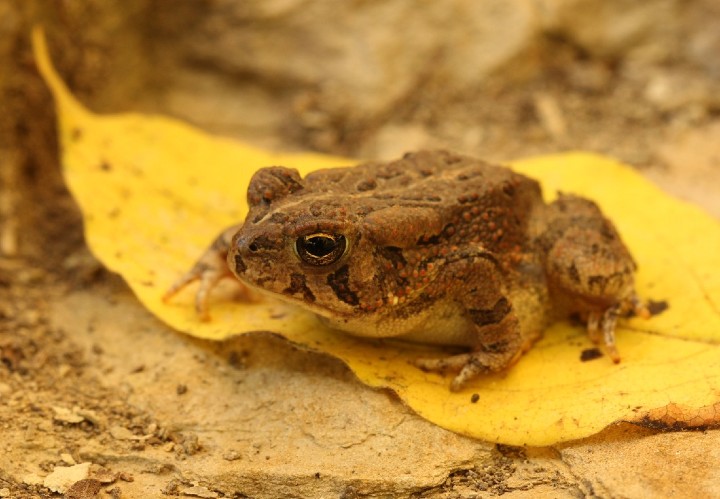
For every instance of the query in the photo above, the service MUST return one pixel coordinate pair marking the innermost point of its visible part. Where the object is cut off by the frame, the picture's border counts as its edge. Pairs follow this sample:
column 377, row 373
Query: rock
column 32, row 479
column 67, row 459
column 66, row 415
column 612, row 28
column 63, row 477
column 690, row 160
column 671, row 92
column 355, row 59
column 86, row 488
column 392, row 141
column 122, row 433
column 198, row 491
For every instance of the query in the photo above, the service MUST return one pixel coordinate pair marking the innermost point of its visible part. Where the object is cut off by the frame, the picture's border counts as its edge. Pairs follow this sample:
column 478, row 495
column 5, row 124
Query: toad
column 435, row 247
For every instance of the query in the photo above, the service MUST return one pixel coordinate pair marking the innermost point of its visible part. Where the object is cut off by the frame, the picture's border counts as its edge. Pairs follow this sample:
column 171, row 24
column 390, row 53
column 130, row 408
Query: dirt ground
column 88, row 376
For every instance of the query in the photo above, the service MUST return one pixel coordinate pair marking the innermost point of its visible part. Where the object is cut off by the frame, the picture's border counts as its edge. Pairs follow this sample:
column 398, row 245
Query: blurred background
column 497, row 79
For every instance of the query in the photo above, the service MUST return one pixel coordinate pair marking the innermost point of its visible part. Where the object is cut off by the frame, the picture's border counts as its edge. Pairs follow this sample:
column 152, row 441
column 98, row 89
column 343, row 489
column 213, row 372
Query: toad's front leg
column 499, row 342
column 499, row 346
column 209, row 269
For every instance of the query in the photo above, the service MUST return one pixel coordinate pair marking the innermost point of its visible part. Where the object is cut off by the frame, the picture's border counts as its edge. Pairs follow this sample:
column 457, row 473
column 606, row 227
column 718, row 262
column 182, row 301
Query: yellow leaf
column 155, row 192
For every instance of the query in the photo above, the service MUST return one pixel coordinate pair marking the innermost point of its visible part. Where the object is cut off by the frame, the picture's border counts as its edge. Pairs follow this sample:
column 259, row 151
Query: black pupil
column 321, row 249
column 320, row 246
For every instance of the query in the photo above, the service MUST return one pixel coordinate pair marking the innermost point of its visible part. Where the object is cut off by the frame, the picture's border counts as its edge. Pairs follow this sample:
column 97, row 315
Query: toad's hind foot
column 601, row 328
column 638, row 307
column 601, row 325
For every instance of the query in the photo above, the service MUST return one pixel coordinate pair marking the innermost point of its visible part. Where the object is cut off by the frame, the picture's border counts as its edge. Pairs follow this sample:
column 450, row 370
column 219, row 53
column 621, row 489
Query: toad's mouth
column 294, row 291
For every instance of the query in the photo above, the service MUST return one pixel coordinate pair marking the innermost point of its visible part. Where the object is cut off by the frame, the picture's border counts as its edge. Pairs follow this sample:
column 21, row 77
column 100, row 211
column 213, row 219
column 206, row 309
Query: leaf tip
column 49, row 74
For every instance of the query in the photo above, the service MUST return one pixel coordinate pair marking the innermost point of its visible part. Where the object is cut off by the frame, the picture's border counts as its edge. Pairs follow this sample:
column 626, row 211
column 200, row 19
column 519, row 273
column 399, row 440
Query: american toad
column 435, row 247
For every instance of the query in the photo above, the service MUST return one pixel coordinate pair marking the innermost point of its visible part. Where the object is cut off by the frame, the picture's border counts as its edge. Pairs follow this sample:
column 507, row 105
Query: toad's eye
column 320, row 249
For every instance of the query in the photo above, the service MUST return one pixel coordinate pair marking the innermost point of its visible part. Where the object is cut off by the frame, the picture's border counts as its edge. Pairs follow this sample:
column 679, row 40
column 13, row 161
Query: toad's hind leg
column 589, row 269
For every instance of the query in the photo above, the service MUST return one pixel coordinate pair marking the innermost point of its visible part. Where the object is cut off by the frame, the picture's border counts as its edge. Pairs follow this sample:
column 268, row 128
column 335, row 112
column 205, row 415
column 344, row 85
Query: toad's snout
column 247, row 247
column 242, row 247
column 236, row 263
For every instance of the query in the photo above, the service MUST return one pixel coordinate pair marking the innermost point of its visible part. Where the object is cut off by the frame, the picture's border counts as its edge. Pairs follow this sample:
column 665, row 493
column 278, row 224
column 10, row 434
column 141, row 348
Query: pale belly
column 443, row 323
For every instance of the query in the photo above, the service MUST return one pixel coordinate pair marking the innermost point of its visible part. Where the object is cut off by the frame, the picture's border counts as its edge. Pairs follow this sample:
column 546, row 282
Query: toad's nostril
column 255, row 246
column 246, row 244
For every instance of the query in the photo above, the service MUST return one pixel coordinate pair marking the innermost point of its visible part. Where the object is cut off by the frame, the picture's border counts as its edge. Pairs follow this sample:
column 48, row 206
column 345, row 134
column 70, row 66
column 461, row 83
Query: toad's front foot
column 210, row 269
column 208, row 276
column 468, row 366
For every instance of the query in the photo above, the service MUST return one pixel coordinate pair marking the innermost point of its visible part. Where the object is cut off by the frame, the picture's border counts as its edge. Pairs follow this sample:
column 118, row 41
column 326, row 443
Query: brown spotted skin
column 434, row 247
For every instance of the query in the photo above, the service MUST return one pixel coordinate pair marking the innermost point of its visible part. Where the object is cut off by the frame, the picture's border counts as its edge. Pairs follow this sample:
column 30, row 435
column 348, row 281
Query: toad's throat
column 440, row 322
